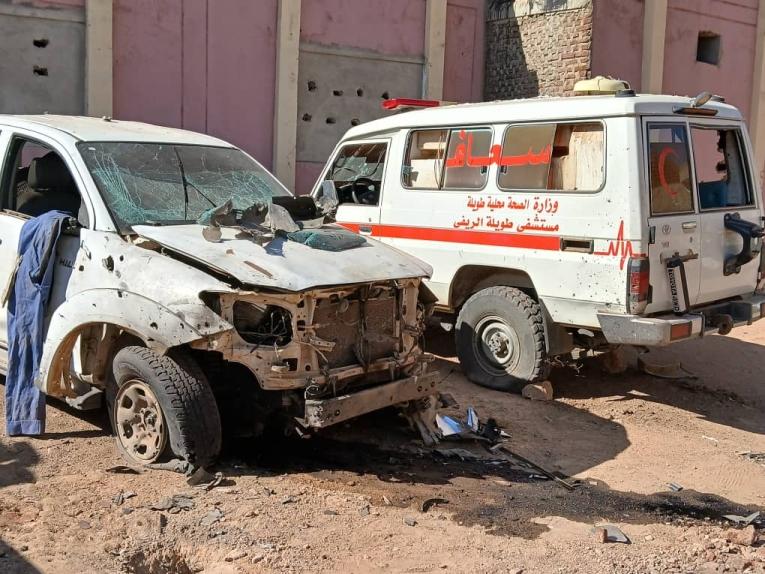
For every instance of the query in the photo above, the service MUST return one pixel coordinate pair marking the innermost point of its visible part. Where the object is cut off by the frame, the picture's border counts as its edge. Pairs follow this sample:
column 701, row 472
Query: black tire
column 510, row 322
column 191, row 416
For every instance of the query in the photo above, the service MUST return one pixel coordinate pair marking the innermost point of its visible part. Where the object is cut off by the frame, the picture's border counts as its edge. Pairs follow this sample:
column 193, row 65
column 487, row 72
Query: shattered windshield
column 167, row 183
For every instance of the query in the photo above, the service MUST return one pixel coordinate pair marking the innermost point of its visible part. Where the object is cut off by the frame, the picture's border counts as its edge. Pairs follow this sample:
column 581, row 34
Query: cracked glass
column 154, row 183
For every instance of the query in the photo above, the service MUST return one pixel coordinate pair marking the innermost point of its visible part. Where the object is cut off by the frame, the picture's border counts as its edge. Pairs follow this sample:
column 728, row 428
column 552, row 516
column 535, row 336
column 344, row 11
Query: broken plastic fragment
column 327, row 200
column 743, row 520
column 448, row 426
column 472, row 419
column 612, row 534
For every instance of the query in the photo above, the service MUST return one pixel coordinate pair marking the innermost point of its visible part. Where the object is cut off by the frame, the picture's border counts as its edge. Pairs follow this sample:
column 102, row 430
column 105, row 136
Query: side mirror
column 327, row 199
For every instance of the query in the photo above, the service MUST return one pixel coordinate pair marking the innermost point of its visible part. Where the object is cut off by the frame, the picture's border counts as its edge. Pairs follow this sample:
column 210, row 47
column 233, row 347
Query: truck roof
column 537, row 109
column 106, row 129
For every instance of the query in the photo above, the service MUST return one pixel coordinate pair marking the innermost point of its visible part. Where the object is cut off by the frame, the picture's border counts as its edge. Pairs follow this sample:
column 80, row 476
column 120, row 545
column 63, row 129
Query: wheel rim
column 139, row 421
column 496, row 345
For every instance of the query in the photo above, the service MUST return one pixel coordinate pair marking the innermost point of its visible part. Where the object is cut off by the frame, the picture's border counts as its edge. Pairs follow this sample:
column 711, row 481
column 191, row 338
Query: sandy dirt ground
column 370, row 498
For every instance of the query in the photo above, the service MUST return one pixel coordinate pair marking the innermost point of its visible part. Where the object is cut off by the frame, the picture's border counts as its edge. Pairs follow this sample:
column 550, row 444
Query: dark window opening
column 708, row 48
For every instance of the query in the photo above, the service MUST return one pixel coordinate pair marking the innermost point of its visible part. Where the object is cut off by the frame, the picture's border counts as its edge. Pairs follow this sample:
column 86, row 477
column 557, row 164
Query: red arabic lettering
column 463, row 156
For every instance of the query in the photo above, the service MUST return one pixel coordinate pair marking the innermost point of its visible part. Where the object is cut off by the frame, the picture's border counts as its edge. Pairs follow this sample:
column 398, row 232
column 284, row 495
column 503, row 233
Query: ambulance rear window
column 552, row 157
column 670, row 169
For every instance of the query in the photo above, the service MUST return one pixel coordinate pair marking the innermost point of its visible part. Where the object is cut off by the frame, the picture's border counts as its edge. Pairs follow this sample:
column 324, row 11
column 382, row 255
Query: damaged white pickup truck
column 189, row 281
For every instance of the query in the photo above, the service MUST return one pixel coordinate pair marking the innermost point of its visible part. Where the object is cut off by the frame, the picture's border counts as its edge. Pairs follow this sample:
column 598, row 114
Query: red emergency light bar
column 395, row 103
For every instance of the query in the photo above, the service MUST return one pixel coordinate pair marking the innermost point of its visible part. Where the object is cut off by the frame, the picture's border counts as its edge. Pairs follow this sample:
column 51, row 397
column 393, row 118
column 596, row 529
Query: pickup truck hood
column 286, row 265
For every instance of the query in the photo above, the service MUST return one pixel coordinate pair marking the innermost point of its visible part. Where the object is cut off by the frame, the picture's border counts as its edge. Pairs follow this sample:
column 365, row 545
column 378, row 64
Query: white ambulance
column 554, row 223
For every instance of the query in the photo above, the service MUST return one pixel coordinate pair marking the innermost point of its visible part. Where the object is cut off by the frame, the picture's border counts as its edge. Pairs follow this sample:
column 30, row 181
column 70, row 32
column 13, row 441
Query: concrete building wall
column 537, row 48
column 617, row 39
column 43, row 63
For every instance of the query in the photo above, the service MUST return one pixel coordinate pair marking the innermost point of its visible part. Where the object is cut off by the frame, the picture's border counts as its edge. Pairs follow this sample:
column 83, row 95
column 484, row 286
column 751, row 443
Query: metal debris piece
column 289, row 500
column 564, row 483
column 218, row 216
column 743, row 520
column 459, row 453
column 179, row 501
column 758, row 457
column 409, row 521
column 610, row 533
column 431, row 502
column 674, row 487
column 205, row 480
column 122, row 469
column 211, row 517
column 667, row 370
column 279, row 219
column 212, row 234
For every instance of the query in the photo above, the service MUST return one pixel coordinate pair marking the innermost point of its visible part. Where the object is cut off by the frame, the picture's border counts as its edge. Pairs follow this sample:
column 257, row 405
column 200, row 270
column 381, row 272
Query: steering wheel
column 363, row 190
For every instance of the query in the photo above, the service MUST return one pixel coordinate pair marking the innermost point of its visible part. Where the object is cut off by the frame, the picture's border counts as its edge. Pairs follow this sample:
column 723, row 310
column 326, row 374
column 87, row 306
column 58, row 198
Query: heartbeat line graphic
column 619, row 247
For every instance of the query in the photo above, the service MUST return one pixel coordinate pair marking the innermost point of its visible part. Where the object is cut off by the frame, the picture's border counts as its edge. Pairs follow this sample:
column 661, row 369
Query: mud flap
column 678, row 284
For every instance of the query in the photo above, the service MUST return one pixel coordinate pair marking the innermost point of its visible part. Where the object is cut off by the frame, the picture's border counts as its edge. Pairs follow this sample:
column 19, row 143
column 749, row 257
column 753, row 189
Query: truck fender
column 159, row 327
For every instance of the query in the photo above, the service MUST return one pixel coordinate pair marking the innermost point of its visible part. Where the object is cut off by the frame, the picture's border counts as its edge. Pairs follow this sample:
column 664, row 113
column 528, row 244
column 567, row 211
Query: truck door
column 358, row 171
column 724, row 185
column 673, row 218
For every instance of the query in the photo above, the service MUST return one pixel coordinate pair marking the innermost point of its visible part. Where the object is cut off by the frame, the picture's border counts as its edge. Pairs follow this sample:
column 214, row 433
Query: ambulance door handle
column 689, row 225
column 365, row 229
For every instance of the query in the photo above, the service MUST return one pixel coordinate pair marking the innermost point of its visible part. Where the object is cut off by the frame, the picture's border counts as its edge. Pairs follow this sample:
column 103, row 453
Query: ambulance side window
column 357, row 172
column 468, row 159
column 721, row 172
column 424, row 161
column 456, row 158
column 669, row 162
column 552, row 157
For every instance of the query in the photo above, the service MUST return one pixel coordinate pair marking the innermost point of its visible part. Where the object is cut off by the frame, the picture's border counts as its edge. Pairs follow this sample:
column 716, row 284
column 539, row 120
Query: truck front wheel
column 500, row 339
column 162, row 410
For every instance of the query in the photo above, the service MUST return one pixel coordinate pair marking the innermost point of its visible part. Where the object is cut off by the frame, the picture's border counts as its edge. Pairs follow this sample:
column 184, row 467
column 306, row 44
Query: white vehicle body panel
column 149, row 284
column 573, row 246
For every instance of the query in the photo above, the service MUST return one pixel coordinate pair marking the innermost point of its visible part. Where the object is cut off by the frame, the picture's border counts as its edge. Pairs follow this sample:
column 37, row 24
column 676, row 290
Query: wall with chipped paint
column 43, row 63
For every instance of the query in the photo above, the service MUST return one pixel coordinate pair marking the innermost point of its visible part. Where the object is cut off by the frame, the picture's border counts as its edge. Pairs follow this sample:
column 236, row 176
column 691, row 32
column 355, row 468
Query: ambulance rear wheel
column 500, row 339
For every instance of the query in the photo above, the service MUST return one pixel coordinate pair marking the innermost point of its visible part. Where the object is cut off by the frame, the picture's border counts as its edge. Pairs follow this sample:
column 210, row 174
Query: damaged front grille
column 258, row 325
column 363, row 328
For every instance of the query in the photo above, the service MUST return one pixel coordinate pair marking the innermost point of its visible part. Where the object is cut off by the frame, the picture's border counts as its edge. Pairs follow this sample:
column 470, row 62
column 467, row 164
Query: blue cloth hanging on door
column 24, row 402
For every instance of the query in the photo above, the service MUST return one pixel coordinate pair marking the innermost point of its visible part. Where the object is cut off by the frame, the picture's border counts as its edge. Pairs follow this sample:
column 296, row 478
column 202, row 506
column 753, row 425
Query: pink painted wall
column 181, row 63
column 617, row 39
column 392, row 27
column 397, row 27
column 463, row 65
column 735, row 21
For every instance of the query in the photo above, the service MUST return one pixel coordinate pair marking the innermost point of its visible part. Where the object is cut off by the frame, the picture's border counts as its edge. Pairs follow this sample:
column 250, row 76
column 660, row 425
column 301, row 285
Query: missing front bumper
column 328, row 412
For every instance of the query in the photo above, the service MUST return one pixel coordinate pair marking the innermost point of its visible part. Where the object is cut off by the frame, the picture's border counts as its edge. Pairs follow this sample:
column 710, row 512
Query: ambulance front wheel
column 500, row 339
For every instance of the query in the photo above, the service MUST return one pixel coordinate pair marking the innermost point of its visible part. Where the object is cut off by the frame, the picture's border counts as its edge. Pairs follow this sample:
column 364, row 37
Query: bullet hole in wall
column 40, row 42
column 385, row 96
column 311, row 86
column 337, row 92
column 360, row 92
column 355, row 121
column 331, row 120
column 307, row 117
column 40, row 71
